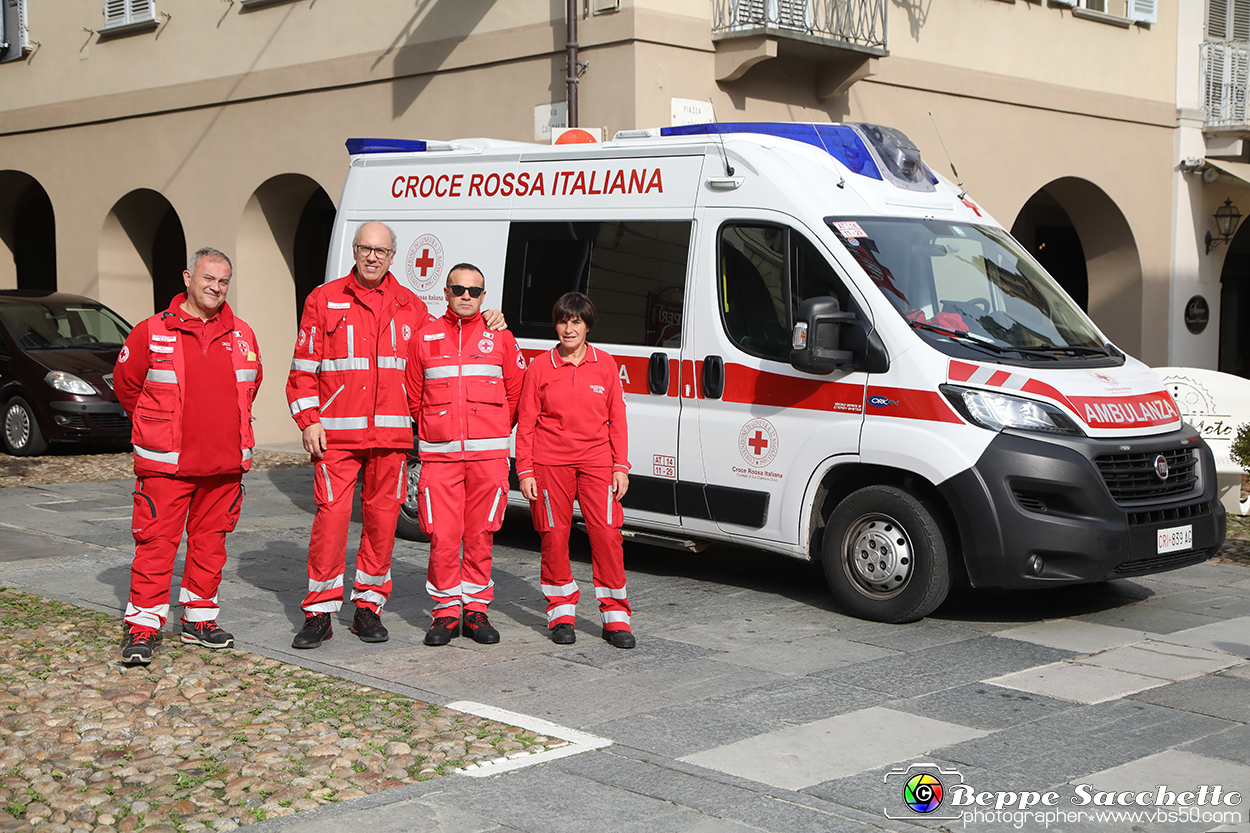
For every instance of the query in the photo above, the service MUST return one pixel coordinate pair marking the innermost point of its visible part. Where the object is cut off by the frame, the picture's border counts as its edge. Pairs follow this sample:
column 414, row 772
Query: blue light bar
column 355, row 146
column 839, row 141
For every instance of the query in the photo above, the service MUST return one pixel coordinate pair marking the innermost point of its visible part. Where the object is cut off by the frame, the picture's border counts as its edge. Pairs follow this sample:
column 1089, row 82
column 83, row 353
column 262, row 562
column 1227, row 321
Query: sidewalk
column 749, row 703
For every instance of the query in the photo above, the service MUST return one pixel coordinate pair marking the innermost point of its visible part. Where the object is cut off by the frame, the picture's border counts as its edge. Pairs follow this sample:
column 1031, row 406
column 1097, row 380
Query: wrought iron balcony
column 1225, row 76
column 857, row 25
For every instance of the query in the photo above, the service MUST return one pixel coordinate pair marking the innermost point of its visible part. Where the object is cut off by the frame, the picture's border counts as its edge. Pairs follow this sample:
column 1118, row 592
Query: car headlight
column 997, row 411
column 69, row 383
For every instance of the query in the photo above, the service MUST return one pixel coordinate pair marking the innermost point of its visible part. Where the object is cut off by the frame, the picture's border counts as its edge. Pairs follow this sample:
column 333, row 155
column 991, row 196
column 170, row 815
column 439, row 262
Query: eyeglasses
column 374, row 250
column 474, row 291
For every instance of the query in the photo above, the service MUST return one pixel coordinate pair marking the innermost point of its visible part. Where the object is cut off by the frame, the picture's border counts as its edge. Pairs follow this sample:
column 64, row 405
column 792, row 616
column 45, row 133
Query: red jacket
column 188, row 386
column 464, row 384
column 348, row 368
column 572, row 413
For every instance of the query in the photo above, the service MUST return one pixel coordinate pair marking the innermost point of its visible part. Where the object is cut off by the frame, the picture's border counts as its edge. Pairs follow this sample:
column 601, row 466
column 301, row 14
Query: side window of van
column 634, row 271
column 766, row 272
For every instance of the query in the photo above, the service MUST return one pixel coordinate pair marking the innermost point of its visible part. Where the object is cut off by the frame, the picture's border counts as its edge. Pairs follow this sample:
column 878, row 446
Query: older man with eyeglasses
column 346, row 394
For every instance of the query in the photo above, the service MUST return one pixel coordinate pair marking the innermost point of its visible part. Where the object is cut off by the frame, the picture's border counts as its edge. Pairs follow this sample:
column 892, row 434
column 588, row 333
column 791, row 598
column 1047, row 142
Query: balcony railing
column 854, row 24
column 1225, row 76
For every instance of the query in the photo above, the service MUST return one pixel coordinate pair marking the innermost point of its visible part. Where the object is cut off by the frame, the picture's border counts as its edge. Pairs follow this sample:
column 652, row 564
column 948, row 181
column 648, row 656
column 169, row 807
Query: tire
column 22, row 437
column 885, row 555
column 408, row 527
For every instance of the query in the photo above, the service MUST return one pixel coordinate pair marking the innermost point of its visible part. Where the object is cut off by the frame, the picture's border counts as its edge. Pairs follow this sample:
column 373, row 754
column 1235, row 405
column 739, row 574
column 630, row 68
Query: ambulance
column 827, row 351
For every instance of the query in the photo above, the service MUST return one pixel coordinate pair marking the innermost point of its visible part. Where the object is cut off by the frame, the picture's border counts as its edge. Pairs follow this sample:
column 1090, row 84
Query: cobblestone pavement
column 200, row 740
column 66, row 465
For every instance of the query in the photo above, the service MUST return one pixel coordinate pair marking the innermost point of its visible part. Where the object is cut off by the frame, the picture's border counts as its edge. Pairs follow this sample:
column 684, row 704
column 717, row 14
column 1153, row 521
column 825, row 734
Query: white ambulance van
column 827, row 351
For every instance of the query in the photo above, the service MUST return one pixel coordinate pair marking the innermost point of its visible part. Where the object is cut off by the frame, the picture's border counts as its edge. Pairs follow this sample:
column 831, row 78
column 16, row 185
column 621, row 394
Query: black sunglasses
column 474, row 291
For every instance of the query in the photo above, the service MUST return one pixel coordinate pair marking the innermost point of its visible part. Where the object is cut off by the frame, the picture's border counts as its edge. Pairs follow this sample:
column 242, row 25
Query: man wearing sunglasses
column 464, row 385
column 346, row 394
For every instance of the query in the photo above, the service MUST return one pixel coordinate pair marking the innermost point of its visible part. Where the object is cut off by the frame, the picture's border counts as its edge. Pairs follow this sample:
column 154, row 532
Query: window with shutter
column 1144, row 11
column 118, row 13
column 14, row 42
column 1228, row 20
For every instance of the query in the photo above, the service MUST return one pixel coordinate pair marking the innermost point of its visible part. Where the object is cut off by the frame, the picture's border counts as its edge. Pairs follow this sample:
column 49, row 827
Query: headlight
column 997, row 411
column 69, row 383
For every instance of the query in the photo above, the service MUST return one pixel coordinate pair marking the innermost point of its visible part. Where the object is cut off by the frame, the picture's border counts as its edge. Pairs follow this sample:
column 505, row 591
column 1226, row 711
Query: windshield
column 971, row 287
column 51, row 325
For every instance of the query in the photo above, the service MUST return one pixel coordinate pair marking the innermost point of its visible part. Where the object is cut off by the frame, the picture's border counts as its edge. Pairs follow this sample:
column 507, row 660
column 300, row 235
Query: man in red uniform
column 187, row 378
column 464, row 383
column 346, row 394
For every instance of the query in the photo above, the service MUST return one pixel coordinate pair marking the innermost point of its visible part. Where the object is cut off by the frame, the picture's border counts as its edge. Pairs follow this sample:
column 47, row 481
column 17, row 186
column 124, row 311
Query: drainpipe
column 571, row 49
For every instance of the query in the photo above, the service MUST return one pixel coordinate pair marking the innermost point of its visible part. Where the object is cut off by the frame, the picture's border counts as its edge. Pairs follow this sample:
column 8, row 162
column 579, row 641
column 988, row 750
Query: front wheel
column 885, row 555
column 22, row 437
column 409, row 526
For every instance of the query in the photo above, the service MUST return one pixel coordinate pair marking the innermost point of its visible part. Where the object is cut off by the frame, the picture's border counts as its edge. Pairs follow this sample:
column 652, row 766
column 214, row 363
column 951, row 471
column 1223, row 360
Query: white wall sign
column 547, row 116
column 690, row 111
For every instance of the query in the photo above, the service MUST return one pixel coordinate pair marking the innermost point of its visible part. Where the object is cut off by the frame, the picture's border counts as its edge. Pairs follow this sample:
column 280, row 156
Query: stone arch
column 1235, row 305
column 284, row 238
column 27, row 233
column 1081, row 236
column 142, row 255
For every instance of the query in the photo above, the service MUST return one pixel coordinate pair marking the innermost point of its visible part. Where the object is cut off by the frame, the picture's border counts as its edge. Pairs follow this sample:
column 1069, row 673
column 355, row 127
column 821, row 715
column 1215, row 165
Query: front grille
column 108, row 377
column 1131, row 477
column 1171, row 561
column 1169, row 515
column 110, row 421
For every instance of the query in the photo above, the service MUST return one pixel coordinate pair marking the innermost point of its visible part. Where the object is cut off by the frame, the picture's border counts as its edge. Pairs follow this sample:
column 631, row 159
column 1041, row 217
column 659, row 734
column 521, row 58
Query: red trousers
column 208, row 508
column 553, row 518
column 382, row 491
column 462, row 502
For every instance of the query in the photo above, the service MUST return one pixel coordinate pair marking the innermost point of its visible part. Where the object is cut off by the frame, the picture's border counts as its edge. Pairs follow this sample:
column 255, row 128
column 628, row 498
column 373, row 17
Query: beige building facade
column 184, row 123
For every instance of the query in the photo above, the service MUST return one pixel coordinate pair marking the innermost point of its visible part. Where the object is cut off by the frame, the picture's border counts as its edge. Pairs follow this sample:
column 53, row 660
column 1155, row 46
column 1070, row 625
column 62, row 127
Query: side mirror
column 817, row 336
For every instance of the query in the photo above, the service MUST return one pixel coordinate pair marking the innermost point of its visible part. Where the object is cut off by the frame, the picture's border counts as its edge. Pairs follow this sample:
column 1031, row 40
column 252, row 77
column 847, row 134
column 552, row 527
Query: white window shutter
column 1144, row 11
column 142, row 10
column 1241, row 20
column 115, row 13
column 126, row 12
column 1217, row 19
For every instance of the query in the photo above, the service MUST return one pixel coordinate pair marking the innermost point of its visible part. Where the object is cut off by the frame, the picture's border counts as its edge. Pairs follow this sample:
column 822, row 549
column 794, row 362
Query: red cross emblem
column 425, row 262
column 758, row 443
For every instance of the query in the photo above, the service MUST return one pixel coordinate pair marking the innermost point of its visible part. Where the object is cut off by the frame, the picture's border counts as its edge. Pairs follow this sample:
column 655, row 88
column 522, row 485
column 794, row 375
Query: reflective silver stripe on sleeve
column 483, row 370
column 393, row 362
column 439, row 448
column 551, row 521
column 246, row 375
column 494, row 505
column 156, row 456
column 312, row 336
column 392, row 335
column 247, row 454
column 305, row 403
column 168, row 377
column 492, row 444
column 306, row 365
column 325, row 473
column 345, row 364
column 392, row 420
column 344, row 423
column 609, row 593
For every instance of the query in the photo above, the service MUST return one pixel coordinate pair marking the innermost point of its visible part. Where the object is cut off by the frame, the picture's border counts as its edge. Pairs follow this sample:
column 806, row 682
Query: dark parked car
column 57, row 353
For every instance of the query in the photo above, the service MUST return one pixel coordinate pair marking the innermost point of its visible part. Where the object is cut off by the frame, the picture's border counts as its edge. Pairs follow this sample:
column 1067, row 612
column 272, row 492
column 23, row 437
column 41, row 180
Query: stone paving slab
column 1229, row 635
column 800, row 657
column 1077, row 683
column 1177, row 770
column 1219, row 695
column 1232, row 744
column 1074, row 635
column 982, row 705
column 1155, row 658
column 800, row 756
column 19, row 545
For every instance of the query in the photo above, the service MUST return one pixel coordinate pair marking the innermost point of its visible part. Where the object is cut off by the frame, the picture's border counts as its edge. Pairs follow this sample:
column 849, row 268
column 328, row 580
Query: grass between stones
column 199, row 740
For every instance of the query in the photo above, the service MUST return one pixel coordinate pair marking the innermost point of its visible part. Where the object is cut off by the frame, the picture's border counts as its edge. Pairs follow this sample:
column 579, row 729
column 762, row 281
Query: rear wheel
column 886, row 556
column 409, row 526
column 22, row 437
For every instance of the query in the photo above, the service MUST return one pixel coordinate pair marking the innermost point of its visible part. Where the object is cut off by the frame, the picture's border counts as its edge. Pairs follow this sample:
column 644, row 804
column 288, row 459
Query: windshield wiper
column 976, row 341
column 1076, row 350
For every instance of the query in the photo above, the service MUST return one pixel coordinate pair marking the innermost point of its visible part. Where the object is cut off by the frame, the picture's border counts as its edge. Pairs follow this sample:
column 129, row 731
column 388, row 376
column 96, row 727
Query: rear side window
column 634, row 271
column 766, row 272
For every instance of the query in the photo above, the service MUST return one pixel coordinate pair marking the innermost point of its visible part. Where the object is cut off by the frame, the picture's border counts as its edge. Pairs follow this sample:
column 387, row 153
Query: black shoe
column 317, row 629
column 206, row 634
column 139, row 644
column 367, row 624
column 477, row 627
column 619, row 639
column 562, row 634
column 444, row 629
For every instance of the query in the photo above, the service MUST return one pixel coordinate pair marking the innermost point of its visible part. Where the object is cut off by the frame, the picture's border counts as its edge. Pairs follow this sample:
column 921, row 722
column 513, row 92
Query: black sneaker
column 563, row 634
column 367, row 624
column 619, row 638
column 139, row 644
column 206, row 634
column 477, row 627
column 317, row 629
column 444, row 629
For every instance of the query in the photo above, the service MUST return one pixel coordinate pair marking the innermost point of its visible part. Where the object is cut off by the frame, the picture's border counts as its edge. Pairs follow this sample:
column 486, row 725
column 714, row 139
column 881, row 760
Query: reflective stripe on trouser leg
column 207, row 521
column 556, row 485
column 607, row 557
column 442, row 502
column 379, row 512
column 445, row 599
column 195, row 609
column 327, row 547
column 483, row 513
column 149, row 617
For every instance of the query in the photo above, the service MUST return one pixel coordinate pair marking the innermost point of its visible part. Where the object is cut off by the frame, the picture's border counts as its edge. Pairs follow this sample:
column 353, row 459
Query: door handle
column 657, row 374
column 713, row 377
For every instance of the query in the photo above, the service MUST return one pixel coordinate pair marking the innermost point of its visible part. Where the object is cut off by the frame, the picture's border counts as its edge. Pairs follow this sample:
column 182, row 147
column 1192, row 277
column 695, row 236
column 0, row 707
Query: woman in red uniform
column 572, row 442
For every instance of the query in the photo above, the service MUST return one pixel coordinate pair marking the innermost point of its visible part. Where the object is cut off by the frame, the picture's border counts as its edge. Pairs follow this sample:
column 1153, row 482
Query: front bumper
column 1033, row 497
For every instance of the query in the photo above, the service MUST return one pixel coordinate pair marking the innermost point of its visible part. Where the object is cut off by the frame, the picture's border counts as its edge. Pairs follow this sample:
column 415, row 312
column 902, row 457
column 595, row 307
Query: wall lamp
column 1226, row 218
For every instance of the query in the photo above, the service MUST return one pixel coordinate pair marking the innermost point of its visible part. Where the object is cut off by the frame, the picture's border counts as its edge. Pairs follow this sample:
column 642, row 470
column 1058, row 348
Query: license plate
column 1176, row 539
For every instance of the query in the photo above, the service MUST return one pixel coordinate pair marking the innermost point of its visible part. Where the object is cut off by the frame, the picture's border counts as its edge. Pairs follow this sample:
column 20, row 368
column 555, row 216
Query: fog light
column 1036, row 565
column 61, row 419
